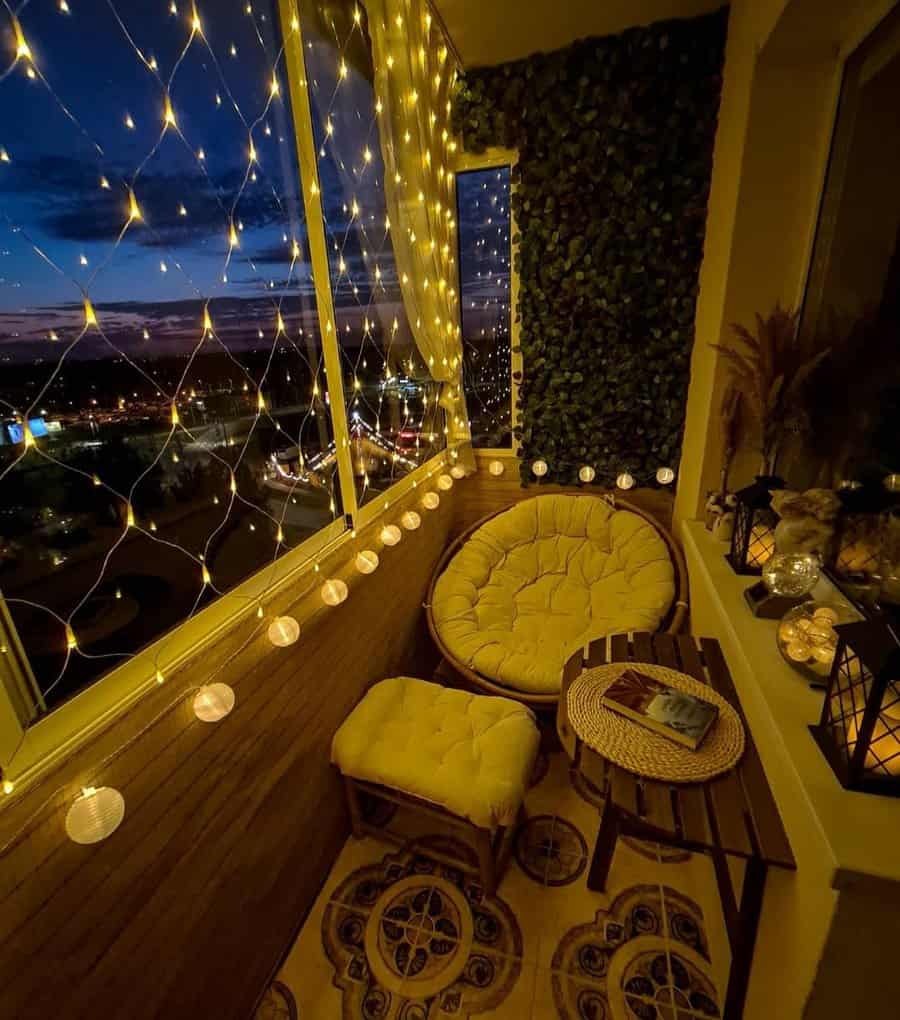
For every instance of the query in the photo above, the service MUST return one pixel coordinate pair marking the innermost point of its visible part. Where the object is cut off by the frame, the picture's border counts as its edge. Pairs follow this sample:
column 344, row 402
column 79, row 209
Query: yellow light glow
column 71, row 640
column 4, row 156
column 90, row 318
column 160, row 679
column 196, row 25
column 260, row 401
column 169, row 114
column 233, row 237
column 175, row 419
column 129, row 122
column 274, row 88
column 207, row 320
column 129, row 517
column 204, row 574
column 23, row 51
column 134, row 210
column 8, row 786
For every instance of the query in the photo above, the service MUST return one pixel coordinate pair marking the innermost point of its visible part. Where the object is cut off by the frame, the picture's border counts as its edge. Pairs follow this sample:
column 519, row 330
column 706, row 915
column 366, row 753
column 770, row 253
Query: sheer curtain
column 414, row 75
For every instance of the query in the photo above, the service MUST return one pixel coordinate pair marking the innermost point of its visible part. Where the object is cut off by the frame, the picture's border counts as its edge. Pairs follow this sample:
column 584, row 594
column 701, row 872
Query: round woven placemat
column 640, row 750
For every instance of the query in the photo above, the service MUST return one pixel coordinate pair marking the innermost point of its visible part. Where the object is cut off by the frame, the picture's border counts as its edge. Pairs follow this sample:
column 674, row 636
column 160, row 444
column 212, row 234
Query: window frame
column 29, row 749
column 492, row 158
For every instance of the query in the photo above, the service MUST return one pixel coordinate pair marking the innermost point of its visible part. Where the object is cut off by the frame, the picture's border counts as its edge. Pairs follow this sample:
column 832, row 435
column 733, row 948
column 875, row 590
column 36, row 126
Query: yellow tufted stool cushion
column 544, row 578
column 470, row 754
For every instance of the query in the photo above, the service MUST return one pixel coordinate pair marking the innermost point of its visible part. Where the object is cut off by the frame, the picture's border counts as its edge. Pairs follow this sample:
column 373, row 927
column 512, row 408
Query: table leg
column 605, row 846
column 747, row 927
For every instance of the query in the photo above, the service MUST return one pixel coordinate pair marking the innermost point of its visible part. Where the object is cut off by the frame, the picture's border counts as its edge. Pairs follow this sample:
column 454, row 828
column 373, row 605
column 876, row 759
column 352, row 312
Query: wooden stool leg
column 353, row 806
column 605, row 847
column 484, row 844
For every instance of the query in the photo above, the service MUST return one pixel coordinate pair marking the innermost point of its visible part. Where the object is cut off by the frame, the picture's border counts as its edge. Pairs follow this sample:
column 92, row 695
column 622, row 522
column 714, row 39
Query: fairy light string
column 369, row 285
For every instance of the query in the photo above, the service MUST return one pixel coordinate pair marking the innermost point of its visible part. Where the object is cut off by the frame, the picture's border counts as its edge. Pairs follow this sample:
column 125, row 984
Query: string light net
column 392, row 396
column 484, row 252
column 165, row 428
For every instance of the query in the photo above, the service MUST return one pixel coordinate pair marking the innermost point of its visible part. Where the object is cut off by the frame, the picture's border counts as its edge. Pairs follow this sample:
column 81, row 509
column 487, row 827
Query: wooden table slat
column 664, row 647
column 618, row 648
column 692, row 814
column 596, row 655
column 656, row 801
column 623, row 788
column 774, row 846
column 643, row 647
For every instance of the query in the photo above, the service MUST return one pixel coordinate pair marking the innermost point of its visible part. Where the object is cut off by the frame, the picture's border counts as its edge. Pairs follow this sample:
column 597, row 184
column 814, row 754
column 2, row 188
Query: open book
column 666, row 710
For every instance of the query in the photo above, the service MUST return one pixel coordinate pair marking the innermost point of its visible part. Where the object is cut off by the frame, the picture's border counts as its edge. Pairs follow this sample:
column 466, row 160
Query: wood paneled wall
column 229, row 828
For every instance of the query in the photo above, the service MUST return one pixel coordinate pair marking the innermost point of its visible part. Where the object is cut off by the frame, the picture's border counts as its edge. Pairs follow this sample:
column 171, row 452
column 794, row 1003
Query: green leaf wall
column 615, row 138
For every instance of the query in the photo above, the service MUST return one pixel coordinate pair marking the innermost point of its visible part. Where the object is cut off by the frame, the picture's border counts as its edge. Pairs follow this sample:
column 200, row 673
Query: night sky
column 50, row 191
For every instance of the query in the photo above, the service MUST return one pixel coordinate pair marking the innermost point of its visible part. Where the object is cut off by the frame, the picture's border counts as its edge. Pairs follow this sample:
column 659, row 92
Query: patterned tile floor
column 406, row 933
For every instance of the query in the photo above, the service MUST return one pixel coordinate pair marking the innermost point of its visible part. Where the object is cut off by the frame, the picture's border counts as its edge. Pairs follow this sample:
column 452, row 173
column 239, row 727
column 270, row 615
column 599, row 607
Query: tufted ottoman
column 466, row 758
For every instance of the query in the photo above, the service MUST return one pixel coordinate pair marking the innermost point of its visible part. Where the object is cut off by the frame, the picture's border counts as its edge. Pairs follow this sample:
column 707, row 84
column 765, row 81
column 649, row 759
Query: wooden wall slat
column 229, row 830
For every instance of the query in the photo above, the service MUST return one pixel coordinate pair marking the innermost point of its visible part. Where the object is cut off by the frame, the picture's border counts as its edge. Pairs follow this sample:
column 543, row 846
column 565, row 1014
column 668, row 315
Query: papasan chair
column 514, row 596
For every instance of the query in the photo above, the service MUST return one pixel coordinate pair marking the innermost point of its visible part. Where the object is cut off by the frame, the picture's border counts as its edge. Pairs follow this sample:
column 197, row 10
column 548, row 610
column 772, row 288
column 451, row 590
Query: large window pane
column 482, row 198
column 392, row 402
column 149, row 168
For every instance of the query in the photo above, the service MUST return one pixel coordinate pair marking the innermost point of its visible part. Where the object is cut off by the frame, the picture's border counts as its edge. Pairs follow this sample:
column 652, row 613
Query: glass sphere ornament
column 334, row 591
column 391, row 534
column 665, row 476
column 807, row 639
column 587, row 474
column 445, row 483
column 791, row 574
column 213, row 702
column 496, row 468
column 367, row 561
column 431, row 501
column 458, row 471
column 625, row 481
column 539, row 468
column 411, row 520
column 96, row 814
column 283, row 631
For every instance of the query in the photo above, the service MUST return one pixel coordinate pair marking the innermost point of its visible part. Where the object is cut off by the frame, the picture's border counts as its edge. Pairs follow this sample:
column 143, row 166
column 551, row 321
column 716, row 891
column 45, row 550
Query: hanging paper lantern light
column 458, row 471
column 431, row 501
column 445, row 482
column 334, row 591
column 391, row 534
column 496, row 468
column 665, row 476
column 587, row 474
column 539, row 468
column 213, row 702
column 96, row 814
column 283, row 631
column 411, row 520
column 367, row 562
column 625, row 481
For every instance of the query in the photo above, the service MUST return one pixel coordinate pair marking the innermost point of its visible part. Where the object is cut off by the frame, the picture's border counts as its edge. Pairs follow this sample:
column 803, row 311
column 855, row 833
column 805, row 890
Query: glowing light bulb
column 129, row 516
column 458, row 471
column 129, row 123
column 8, row 786
column 96, row 480
column 367, row 561
column 496, row 468
column 411, row 521
column 279, row 537
column 95, row 815
column 63, row 6
column 196, row 25
column 134, row 210
column 334, row 592
column 104, row 183
column 587, row 474
column 274, row 88
column 283, row 631
column 160, row 679
column 445, row 482
column 201, row 155
column 539, row 468
column 390, row 534
column 168, row 119
column 207, row 320
column 175, row 419
column 71, row 640
column 213, row 702
column 204, row 574
column 665, row 476
column 90, row 318
column 625, row 481
column 431, row 501
column 233, row 240
column 260, row 401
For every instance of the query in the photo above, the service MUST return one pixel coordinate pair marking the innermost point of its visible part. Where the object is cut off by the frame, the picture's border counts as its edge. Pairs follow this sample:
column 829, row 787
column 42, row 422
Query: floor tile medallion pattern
column 411, row 937
column 277, row 1004
column 551, row 850
column 640, row 959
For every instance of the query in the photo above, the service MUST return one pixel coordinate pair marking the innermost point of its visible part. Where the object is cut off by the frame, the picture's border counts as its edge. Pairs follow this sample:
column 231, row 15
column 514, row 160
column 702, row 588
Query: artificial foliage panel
column 615, row 140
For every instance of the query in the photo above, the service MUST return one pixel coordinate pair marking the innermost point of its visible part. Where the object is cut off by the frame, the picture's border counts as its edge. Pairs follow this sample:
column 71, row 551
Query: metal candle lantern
column 753, row 538
column 859, row 732
column 858, row 533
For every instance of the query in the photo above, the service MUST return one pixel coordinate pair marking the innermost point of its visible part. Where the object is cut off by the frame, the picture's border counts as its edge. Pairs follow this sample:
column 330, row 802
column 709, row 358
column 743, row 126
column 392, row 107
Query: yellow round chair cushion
column 544, row 578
